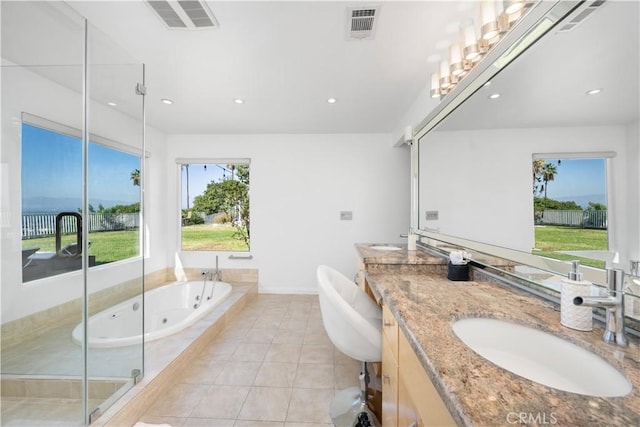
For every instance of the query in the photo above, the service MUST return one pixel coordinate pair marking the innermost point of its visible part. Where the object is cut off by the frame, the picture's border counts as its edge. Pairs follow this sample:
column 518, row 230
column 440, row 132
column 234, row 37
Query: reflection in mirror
column 570, row 210
column 566, row 96
column 215, row 206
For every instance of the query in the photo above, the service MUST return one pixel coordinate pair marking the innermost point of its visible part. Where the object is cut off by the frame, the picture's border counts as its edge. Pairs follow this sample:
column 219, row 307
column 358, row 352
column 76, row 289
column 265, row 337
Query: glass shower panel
column 113, row 231
column 40, row 164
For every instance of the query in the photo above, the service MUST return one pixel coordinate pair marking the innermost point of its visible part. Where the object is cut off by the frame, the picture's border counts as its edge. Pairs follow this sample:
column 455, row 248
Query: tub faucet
column 216, row 271
column 614, row 304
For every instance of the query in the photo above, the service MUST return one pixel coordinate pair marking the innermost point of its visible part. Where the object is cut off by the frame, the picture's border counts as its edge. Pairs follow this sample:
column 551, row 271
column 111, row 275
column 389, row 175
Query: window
column 52, row 200
column 215, row 205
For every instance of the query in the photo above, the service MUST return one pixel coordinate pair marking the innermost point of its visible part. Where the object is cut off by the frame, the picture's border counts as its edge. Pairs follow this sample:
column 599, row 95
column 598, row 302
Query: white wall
column 633, row 194
column 299, row 185
column 25, row 91
column 480, row 181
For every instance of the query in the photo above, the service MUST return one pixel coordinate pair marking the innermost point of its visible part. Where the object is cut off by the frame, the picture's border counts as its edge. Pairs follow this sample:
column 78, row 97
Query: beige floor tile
column 172, row 421
column 314, row 375
column 231, row 335
column 207, row 422
column 245, row 423
column 283, row 353
column 317, row 337
column 218, row 351
column 276, row 374
column 178, row 401
column 203, row 372
column 317, row 353
column 266, row 404
column 288, row 336
column 238, row 373
column 342, row 359
column 249, row 352
column 308, row 425
column 310, row 405
column 221, row 402
column 346, row 376
column 259, row 336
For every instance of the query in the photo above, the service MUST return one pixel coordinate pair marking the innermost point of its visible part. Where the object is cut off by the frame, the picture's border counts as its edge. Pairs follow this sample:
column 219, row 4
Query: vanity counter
column 474, row 390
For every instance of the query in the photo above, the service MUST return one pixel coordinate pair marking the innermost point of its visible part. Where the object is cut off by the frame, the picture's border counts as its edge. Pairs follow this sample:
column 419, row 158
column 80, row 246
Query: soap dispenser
column 571, row 315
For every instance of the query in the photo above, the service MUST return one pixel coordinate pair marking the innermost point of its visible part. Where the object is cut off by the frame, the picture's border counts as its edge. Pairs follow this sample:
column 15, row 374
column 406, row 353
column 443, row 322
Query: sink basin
column 542, row 357
column 385, row 248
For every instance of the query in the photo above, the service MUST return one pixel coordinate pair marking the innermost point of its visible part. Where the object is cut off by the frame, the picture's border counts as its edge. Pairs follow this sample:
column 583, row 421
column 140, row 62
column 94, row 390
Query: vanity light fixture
column 512, row 7
column 494, row 96
column 594, row 91
column 332, row 100
column 435, row 86
column 166, row 101
column 496, row 18
column 488, row 21
column 239, row 101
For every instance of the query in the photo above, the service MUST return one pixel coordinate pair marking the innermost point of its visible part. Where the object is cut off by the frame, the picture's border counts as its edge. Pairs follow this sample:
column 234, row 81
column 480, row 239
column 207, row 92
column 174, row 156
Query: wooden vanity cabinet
column 408, row 397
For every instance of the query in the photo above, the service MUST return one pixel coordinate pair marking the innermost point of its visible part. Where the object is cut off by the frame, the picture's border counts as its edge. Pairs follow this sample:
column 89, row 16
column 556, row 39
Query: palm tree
column 135, row 177
column 536, row 169
column 549, row 172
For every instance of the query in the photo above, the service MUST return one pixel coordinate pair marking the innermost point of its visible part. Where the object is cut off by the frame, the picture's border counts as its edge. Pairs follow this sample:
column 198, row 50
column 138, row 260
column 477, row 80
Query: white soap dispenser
column 571, row 315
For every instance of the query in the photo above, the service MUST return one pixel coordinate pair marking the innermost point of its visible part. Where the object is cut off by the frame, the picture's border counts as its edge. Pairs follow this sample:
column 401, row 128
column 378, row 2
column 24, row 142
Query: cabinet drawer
column 423, row 396
column 390, row 330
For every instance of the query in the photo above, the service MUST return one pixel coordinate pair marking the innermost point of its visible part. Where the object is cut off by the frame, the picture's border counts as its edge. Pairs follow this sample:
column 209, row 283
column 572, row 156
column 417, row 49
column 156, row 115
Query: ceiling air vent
column 187, row 14
column 361, row 23
column 580, row 15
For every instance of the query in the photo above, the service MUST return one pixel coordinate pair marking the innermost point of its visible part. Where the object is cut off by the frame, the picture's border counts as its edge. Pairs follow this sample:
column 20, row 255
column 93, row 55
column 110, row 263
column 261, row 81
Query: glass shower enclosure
column 71, row 215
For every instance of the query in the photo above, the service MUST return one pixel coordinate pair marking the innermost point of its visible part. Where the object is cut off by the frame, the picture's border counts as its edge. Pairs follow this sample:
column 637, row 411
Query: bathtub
column 168, row 309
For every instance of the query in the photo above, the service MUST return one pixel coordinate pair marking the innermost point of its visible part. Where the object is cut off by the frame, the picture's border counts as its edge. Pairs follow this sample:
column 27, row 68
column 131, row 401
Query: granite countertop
column 400, row 256
column 476, row 391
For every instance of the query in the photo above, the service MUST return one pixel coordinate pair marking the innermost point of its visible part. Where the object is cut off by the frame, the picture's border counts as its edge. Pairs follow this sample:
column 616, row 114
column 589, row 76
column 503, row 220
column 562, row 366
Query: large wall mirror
column 563, row 115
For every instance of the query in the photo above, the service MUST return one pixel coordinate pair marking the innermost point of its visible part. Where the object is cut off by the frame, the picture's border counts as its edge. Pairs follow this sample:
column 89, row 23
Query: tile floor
column 273, row 366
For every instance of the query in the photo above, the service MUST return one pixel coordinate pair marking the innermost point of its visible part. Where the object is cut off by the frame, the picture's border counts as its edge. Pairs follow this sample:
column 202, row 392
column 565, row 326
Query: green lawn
column 206, row 237
column 110, row 246
column 107, row 246
column 557, row 238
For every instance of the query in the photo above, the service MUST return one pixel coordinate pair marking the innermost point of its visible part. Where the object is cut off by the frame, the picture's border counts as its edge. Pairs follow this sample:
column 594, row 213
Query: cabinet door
column 389, row 386
column 408, row 415
column 421, row 395
column 390, row 330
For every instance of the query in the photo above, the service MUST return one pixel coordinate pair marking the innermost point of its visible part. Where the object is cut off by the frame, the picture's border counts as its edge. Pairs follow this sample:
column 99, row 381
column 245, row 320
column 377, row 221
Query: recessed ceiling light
column 487, row 83
column 111, row 104
column 332, row 100
column 594, row 91
column 494, row 96
column 166, row 101
column 238, row 101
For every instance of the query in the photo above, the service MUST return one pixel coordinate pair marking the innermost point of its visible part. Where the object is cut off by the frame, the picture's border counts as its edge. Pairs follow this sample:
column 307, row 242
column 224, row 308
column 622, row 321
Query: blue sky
column 52, row 169
column 579, row 180
column 199, row 177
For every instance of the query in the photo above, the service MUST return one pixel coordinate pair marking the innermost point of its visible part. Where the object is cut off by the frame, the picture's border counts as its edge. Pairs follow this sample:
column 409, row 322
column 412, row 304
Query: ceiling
column 285, row 60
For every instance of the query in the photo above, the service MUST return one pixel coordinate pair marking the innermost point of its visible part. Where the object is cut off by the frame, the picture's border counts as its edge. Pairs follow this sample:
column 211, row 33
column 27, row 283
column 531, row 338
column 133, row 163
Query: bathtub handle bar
column 233, row 256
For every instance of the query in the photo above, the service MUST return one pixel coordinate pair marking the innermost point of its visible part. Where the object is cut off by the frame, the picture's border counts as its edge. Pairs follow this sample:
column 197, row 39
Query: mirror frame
column 540, row 19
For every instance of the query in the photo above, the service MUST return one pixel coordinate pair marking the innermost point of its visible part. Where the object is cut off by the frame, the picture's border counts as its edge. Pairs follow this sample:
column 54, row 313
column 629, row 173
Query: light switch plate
column 346, row 215
column 432, row 215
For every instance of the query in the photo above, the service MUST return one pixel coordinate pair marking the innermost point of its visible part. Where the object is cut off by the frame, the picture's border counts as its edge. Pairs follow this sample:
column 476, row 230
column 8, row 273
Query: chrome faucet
column 614, row 303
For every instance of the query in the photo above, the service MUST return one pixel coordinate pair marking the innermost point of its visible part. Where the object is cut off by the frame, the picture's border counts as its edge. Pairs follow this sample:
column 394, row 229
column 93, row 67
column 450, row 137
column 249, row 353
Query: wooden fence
column 584, row 219
column 44, row 225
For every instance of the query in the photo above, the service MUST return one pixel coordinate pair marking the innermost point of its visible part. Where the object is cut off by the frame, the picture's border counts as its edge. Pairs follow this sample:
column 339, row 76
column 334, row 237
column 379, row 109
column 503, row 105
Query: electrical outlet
column 346, row 215
column 432, row 215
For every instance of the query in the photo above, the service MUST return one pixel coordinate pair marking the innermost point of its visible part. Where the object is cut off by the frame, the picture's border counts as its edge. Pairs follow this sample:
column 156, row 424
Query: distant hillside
column 64, row 204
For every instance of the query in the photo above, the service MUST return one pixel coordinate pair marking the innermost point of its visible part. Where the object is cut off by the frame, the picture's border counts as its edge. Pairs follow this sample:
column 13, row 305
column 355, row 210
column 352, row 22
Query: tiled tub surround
column 476, row 391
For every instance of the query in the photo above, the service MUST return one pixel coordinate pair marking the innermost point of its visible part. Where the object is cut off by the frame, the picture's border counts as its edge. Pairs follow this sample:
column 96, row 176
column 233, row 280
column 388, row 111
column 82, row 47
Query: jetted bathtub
column 168, row 309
